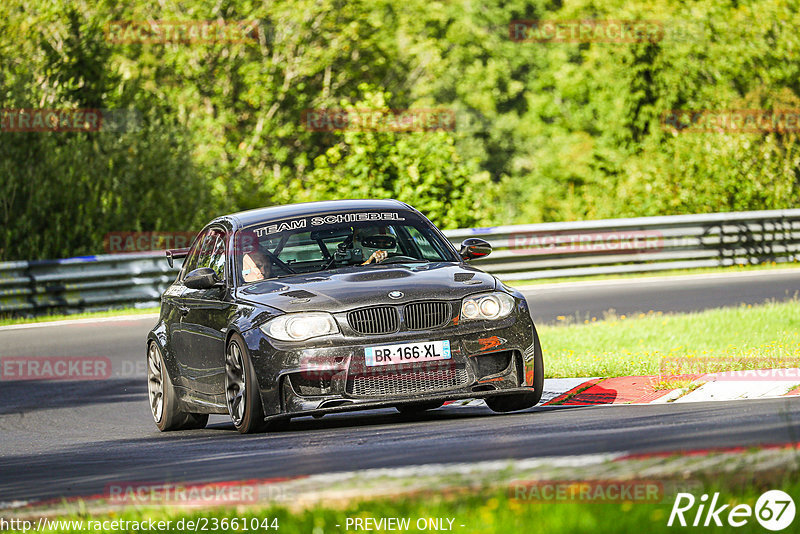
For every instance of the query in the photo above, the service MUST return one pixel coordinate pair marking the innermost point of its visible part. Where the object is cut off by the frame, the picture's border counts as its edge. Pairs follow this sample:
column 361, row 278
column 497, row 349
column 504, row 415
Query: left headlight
column 300, row 326
column 490, row 306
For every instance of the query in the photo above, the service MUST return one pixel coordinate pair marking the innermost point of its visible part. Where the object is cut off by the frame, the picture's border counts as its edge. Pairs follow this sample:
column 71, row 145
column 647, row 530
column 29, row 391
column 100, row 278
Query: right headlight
column 300, row 326
column 491, row 306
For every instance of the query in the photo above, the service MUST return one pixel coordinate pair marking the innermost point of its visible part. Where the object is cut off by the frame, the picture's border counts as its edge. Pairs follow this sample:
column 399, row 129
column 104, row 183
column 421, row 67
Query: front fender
column 158, row 335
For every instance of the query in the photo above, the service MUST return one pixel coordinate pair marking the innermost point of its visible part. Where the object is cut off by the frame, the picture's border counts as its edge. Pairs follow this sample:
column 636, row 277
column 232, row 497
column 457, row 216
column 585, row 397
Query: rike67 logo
column 774, row 510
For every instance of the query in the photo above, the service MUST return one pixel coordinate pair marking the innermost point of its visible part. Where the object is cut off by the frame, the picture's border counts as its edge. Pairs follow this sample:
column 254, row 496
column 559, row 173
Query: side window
column 212, row 254
column 218, row 257
column 190, row 263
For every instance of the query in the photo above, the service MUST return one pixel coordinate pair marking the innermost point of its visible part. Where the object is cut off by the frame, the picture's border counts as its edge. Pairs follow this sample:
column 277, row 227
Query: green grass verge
column 671, row 272
column 744, row 337
column 479, row 511
column 64, row 317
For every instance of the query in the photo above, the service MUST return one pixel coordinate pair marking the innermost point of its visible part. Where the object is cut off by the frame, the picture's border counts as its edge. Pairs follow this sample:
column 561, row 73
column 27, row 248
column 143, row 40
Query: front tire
column 242, row 394
column 513, row 403
column 164, row 404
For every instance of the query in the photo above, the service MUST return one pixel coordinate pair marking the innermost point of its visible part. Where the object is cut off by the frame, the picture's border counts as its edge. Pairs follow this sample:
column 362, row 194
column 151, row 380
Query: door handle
column 184, row 310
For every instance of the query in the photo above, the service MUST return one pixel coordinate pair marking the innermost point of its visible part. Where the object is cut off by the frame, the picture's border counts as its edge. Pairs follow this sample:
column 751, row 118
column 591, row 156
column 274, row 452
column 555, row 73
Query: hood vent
column 378, row 275
column 299, row 294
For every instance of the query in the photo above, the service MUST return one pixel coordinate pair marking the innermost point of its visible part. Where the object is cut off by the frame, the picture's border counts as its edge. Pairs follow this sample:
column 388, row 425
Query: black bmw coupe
column 326, row 307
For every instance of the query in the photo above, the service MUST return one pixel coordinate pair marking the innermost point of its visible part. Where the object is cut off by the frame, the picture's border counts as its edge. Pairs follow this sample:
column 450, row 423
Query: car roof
column 246, row 218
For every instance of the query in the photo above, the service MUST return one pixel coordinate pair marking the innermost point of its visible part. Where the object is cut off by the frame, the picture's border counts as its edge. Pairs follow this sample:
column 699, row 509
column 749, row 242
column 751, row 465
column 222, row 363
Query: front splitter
column 358, row 405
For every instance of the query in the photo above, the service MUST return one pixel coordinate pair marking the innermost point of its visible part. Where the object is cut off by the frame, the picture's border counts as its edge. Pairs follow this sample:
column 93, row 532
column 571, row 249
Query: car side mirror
column 202, row 278
column 473, row 247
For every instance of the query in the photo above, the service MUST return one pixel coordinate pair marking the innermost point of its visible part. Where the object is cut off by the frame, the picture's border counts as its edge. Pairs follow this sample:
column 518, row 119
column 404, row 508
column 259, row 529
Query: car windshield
column 322, row 243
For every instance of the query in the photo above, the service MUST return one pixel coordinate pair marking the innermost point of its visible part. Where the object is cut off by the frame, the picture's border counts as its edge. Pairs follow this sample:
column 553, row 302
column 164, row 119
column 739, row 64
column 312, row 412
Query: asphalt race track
column 667, row 294
column 70, row 438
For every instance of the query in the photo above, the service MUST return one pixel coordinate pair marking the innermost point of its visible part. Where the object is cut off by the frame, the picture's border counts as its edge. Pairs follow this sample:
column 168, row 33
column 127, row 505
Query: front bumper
column 330, row 374
column 387, row 403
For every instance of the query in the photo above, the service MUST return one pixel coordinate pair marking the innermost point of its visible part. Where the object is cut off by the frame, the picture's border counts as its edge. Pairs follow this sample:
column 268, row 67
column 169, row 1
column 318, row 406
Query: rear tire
column 414, row 409
column 164, row 403
column 242, row 395
column 523, row 401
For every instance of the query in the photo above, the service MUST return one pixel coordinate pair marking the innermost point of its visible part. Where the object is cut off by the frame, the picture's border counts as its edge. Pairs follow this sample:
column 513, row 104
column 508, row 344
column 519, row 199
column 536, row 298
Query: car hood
column 354, row 287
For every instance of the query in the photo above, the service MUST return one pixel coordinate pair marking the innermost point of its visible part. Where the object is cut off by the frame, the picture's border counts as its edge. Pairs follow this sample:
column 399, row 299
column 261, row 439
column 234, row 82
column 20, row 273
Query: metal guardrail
column 84, row 284
column 520, row 252
column 615, row 246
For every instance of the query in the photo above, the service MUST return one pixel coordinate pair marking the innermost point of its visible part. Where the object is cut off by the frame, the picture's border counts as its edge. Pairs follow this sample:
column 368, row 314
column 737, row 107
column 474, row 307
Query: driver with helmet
column 376, row 255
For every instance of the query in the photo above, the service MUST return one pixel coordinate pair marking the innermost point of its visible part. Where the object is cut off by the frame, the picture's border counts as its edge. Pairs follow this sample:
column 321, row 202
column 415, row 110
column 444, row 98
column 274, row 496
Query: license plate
column 407, row 353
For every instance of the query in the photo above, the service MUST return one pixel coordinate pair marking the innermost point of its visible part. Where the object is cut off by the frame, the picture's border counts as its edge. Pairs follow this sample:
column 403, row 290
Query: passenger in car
column 255, row 266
